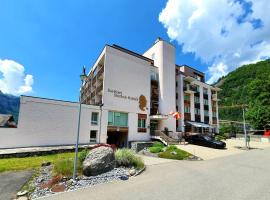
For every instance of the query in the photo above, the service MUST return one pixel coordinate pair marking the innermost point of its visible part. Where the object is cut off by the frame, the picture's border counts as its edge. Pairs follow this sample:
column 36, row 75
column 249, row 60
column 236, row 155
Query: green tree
column 258, row 113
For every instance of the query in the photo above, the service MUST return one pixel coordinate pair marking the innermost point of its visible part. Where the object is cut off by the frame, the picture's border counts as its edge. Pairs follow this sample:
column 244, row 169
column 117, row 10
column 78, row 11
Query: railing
column 189, row 88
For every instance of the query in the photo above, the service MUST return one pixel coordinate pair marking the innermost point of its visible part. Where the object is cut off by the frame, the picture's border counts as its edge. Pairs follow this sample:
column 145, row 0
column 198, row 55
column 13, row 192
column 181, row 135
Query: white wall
column 164, row 59
column 44, row 122
column 131, row 76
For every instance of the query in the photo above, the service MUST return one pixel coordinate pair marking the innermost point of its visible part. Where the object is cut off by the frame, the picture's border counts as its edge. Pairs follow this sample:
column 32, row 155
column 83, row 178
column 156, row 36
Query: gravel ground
column 82, row 181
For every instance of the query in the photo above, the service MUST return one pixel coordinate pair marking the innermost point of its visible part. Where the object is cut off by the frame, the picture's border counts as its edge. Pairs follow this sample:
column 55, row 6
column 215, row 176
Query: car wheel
column 190, row 141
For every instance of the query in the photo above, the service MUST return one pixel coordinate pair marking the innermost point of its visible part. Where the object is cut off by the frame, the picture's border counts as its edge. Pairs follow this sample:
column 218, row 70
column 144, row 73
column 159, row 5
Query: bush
column 82, row 155
column 172, row 153
column 220, row 137
column 127, row 158
column 171, row 148
column 64, row 167
column 158, row 144
column 155, row 149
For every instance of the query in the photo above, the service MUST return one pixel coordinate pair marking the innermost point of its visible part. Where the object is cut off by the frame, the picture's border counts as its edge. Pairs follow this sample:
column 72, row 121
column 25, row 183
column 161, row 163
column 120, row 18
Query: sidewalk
column 233, row 146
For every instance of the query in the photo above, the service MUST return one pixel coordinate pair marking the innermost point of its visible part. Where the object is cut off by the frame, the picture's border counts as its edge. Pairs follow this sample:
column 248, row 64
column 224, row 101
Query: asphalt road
column 11, row 183
column 238, row 177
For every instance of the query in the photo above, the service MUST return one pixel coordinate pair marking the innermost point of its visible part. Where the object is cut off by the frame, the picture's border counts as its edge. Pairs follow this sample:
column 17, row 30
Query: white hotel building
column 137, row 93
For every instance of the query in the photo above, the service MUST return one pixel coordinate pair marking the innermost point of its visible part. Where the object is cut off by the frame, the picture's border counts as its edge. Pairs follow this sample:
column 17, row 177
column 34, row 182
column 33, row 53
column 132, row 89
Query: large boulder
column 98, row 161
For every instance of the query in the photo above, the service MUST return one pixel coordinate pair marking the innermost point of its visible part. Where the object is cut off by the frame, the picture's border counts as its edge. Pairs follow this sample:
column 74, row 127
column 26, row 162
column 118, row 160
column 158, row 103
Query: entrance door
column 117, row 138
column 153, row 126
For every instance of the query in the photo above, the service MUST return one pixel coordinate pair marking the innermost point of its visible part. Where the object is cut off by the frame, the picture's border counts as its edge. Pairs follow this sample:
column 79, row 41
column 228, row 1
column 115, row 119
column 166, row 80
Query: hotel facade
column 127, row 97
column 138, row 93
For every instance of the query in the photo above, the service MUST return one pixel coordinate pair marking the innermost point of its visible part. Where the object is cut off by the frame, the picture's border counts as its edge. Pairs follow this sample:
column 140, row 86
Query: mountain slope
column 235, row 87
column 9, row 104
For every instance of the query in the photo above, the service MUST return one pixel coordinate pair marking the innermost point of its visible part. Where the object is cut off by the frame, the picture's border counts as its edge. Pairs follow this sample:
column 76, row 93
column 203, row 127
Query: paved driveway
column 239, row 177
column 233, row 147
column 11, row 183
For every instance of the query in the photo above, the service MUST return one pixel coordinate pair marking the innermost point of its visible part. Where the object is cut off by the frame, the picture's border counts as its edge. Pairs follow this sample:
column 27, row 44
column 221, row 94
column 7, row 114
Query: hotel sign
column 119, row 94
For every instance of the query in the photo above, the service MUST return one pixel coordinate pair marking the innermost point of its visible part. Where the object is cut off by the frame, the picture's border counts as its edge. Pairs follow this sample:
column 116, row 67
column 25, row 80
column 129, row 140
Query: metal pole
column 78, row 135
column 100, row 123
column 244, row 124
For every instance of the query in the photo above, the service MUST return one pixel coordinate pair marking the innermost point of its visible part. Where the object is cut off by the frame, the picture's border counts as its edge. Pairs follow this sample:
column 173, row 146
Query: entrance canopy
column 159, row 117
column 200, row 125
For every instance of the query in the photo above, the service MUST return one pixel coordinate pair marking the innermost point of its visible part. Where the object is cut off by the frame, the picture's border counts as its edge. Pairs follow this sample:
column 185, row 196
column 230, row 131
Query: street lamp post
column 83, row 77
column 244, row 126
column 100, row 106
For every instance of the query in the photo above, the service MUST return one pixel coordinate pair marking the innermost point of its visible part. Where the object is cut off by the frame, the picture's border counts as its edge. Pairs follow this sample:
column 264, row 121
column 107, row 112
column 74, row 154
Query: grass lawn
column 174, row 153
column 8, row 164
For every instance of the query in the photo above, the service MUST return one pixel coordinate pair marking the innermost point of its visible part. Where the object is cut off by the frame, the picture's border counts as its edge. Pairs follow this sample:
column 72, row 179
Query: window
column 206, row 113
column 118, row 119
column 176, row 108
column 197, row 88
column 186, row 97
column 205, row 101
column 196, row 99
column 187, row 109
column 197, row 111
column 154, row 76
column 214, row 114
column 93, row 136
column 176, row 95
column 205, row 90
column 176, row 84
column 94, row 118
column 142, row 123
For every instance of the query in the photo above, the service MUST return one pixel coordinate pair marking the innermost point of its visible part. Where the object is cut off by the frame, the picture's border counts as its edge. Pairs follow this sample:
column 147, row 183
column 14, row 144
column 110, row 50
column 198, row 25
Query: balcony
column 189, row 89
column 214, row 97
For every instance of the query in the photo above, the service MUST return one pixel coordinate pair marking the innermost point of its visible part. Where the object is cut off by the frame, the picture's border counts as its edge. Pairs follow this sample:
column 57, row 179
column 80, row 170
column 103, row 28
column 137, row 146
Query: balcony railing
column 214, row 97
column 189, row 88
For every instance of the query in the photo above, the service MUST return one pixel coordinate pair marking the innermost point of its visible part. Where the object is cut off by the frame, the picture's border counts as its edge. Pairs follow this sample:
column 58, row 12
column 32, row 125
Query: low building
column 49, row 122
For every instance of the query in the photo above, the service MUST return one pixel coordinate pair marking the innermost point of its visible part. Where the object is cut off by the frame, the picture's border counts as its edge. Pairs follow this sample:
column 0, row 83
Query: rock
column 22, row 198
column 22, row 193
column 98, row 161
column 45, row 163
column 173, row 153
column 132, row 172
column 58, row 188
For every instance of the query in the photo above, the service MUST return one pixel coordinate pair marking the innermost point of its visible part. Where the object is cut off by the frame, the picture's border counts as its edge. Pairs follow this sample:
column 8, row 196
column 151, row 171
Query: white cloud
column 223, row 34
column 13, row 79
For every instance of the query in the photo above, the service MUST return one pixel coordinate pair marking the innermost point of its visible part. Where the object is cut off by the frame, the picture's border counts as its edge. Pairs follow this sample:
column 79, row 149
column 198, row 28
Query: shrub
column 82, row 155
column 171, row 148
column 176, row 154
column 158, row 144
column 65, row 167
column 155, row 149
column 127, row 158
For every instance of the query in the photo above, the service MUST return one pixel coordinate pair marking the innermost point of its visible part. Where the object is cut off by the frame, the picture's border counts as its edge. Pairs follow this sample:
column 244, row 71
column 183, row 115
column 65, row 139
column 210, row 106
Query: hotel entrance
column 117, row 136
column 117, row 131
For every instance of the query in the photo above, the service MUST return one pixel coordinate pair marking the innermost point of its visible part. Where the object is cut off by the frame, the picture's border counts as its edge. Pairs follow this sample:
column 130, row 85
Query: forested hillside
column 9, row 104
column 249, row 84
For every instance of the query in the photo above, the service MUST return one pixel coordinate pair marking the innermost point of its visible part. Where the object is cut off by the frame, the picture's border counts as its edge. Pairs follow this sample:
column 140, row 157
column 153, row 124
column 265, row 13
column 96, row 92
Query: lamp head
column 83, row 76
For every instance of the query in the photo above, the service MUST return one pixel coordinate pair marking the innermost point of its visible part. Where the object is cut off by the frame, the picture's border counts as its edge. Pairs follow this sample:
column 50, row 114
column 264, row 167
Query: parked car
column 204, row 140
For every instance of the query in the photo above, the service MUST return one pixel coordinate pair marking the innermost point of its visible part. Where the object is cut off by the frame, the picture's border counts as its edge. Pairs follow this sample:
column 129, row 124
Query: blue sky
column 54, row 39
column 45, row 43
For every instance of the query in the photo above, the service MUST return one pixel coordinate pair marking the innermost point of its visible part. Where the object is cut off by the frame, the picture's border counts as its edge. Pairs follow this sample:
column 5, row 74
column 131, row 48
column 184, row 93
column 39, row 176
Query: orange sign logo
column 142, row 102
